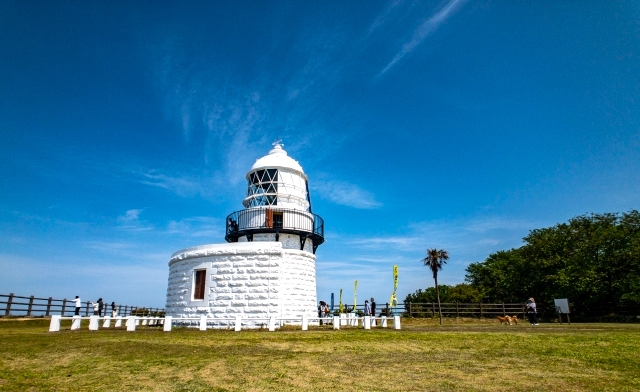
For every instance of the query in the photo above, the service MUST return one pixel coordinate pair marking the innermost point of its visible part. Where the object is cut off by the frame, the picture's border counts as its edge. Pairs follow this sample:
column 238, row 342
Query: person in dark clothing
column 373, row 312
column 532, row 311
column 100, row 306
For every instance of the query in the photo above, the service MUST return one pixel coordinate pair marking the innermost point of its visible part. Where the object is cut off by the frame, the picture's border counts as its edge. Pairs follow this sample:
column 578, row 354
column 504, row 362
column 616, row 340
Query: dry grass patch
column 422, row 356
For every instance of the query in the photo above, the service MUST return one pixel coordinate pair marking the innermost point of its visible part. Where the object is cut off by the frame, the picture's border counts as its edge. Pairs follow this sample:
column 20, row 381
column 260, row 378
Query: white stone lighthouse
column 267, row 268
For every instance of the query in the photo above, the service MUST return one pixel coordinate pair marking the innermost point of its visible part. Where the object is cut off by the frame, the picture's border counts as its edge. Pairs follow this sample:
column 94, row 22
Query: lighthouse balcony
column 306, row 225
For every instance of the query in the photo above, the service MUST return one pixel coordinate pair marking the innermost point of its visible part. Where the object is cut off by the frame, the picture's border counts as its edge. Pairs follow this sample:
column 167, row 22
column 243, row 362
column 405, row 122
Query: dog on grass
column 508, row 320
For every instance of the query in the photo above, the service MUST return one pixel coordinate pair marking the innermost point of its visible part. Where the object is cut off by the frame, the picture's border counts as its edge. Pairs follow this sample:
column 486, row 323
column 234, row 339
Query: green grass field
column 471, row 356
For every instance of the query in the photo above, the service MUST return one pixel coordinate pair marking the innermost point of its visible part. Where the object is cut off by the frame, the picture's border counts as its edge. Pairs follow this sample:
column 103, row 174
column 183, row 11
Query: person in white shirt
column 78, row 305
column 95, row 308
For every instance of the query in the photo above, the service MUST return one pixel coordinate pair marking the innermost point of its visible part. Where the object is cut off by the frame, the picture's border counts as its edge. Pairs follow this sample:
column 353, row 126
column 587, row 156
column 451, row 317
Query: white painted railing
column 132, row 321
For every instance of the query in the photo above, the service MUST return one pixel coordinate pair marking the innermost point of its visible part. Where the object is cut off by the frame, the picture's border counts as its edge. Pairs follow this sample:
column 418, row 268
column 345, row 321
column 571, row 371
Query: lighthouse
column 267, row 267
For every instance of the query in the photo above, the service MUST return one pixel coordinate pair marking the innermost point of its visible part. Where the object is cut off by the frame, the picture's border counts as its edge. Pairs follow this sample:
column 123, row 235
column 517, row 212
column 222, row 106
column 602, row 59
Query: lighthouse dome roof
column 277, row 158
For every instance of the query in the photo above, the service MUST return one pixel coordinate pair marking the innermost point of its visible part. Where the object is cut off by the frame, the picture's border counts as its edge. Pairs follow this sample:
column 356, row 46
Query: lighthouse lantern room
column 277, row 206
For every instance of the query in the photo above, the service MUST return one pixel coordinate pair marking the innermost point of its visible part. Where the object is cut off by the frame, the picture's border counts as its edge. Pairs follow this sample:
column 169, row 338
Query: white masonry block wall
column 255, row 279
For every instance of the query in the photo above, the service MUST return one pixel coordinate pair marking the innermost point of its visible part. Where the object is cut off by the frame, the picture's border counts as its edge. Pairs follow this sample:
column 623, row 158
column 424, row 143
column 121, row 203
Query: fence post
column 87, row 311
column 9, row 301
column 64, row 305
column 49, row 306
column 504, row 312
column 457, row 310
column 410, row 314
column 30, row 306
column 480, row 309
column 433, row 309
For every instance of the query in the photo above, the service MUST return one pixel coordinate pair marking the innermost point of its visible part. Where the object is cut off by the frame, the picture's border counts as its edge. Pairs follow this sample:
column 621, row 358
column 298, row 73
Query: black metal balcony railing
column 275, row 220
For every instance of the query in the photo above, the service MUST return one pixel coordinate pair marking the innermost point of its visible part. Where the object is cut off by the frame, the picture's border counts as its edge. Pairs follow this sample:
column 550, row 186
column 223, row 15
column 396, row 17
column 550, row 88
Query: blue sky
column 127, row 129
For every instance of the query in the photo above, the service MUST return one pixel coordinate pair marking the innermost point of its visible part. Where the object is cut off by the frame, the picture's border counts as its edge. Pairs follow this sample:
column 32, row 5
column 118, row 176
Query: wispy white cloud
column 426, row 28
column 370, row 258
column 345, row 193
column 467, row 240
column 123, row 283
column 124, row 252
column 405, row 243
column 130, row 221
column 197, row 227
column 184, row 185
column 234, row 120
column 381, row 19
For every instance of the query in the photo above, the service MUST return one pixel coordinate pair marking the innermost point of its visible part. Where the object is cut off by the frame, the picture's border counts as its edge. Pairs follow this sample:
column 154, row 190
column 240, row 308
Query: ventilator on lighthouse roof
column 277, row 203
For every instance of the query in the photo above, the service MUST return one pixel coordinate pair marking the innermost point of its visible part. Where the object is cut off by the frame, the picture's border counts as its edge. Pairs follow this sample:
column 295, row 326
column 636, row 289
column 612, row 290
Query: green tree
column 462, row 293
column 435, row 260
column 594, row 260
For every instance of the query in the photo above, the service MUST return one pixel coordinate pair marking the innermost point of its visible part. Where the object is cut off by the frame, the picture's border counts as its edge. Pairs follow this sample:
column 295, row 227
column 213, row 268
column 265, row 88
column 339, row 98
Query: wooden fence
column 15, row 305
column 464, row 309
column 454, row 309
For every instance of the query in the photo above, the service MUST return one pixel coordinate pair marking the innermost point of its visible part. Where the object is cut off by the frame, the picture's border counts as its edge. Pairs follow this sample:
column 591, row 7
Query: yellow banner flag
column 393, row 300
column 355, row 288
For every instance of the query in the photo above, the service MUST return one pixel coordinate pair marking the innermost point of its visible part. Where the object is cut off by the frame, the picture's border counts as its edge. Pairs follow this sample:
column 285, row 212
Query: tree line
column 593, row 260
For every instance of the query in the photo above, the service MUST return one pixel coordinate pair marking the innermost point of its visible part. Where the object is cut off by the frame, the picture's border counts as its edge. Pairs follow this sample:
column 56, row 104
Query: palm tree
column 435, row 260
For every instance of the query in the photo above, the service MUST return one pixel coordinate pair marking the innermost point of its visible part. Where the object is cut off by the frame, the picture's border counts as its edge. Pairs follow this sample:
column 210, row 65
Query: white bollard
column 145, row 321
column 167, row 324
column 55, row 324
column 373, row 321
column 137, row 320
column 107, row 322
column 396, row 322
column 272, row 323
column 336, row 322
column 367, row 322
column 238, row 324
column 203, row 323
column 132, row 321
column 76, row 323
column 343, row 319
column 305, row 322
column 384, row 321
column 118, row 321
column 93, row 323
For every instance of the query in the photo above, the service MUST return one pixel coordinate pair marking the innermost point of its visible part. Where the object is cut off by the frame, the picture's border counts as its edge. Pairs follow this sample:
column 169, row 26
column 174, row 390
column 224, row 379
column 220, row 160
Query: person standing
column 100, row 306
column 367, row 308
column 532, row 311
column 373, row 312
column 95, row 308
column 78, row 304
column 114, row 309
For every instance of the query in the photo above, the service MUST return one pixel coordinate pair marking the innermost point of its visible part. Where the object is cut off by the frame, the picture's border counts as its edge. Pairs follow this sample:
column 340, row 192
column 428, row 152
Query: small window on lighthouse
column 199, row 279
